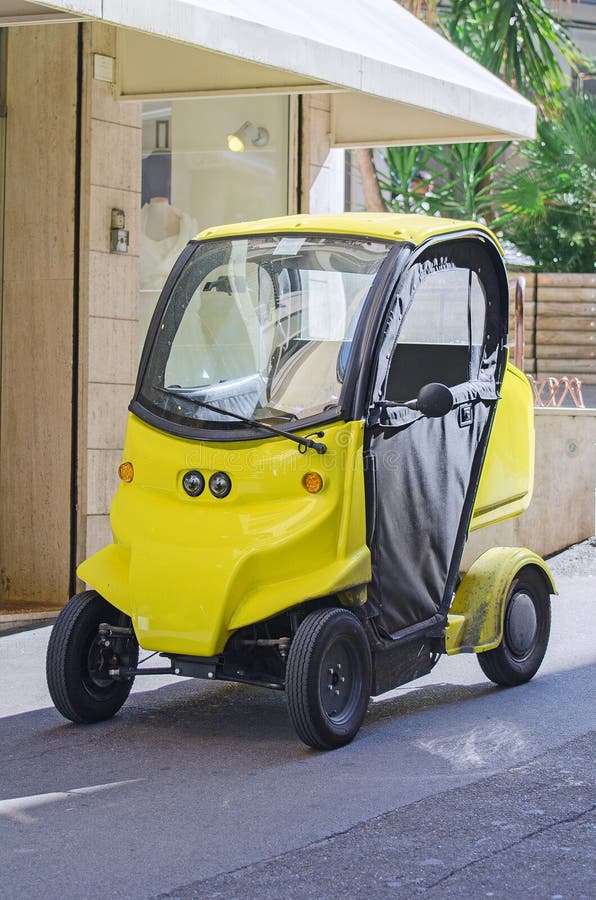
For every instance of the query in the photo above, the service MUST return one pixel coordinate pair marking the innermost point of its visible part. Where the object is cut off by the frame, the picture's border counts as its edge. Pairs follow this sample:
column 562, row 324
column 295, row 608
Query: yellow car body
column 190, row 572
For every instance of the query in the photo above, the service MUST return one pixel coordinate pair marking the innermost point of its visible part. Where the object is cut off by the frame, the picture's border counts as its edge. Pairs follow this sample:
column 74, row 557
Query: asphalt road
column 454, row 787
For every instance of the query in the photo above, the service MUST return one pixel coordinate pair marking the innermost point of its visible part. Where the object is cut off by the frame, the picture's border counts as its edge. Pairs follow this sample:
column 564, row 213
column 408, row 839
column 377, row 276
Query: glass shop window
column 442, row 335
column 206, row 163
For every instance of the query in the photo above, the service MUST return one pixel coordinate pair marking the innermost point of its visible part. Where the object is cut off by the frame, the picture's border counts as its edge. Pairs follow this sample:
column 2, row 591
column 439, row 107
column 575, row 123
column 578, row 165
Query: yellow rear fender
column 475, row 622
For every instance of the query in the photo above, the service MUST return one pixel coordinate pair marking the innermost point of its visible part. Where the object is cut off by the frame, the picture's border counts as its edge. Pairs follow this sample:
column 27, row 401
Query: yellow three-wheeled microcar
column 323, row 410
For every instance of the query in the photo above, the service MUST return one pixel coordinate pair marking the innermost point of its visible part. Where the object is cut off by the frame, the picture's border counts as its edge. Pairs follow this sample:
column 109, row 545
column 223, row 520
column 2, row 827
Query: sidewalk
column 14, row 622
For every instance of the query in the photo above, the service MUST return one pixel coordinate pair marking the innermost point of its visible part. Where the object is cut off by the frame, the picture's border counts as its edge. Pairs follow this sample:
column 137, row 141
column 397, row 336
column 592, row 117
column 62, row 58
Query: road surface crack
column 473, row 862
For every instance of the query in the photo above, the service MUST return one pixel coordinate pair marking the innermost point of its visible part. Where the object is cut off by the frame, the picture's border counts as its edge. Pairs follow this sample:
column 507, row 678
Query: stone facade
column 110, row 289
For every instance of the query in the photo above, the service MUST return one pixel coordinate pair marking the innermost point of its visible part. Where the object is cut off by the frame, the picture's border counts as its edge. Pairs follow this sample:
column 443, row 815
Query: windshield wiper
column 304, row 442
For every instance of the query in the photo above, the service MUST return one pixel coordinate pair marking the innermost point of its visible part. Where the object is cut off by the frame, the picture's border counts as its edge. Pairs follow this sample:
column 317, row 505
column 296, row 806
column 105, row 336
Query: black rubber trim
column 429, row 627
column 76, row 316
column 363, row 357
column 235, row 435
column 299, row 155
column 468, row 508
column 159, row 309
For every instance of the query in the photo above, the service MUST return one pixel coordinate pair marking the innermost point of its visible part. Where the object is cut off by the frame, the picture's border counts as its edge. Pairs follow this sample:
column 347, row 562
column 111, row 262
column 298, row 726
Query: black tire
column 77, row 689
column 328, row 678
column 526, row 630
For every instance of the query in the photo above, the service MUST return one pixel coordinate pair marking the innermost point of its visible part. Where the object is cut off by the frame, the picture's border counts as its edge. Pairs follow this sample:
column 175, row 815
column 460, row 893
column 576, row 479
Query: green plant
column 521, row 41
column 549, row 206
column 407, row 181
column 453, row 179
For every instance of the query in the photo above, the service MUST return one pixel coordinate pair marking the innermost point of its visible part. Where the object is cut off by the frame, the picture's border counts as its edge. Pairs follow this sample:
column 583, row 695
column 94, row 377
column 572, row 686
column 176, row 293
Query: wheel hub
column 337, row 688
column 97, row 665
column 521, row 624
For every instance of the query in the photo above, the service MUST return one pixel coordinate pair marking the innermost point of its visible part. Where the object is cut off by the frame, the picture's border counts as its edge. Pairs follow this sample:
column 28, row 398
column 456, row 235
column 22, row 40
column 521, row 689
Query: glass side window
column 261, row 326
column 439, row 310
column 477, row 310
column 442, row 335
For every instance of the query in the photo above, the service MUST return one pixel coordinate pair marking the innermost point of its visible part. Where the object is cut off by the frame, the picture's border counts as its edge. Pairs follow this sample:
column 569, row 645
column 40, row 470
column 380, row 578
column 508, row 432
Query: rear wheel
column 328, row 678
column 526, row 629
column 77, row 663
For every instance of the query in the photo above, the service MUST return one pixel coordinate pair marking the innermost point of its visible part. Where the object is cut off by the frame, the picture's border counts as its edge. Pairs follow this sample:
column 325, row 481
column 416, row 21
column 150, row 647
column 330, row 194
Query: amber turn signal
column 313, row 482
column 126, row 472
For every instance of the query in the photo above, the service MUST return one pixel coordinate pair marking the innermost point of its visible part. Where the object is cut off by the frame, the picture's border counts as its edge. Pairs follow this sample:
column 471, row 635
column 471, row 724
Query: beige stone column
column 109, row 289
column 37, row 313
column 315, row 128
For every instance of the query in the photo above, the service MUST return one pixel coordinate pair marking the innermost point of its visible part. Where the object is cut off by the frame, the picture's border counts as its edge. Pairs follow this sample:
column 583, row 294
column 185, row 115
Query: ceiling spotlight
column 247, row 133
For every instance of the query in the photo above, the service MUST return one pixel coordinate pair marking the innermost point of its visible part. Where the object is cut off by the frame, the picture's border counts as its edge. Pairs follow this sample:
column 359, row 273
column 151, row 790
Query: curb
column 12, row 623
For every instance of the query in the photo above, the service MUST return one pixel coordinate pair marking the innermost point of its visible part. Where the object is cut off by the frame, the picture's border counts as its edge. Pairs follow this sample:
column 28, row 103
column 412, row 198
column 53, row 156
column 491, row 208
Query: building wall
column 111, row 178
column 562, row 508
column 315, row 128
column 37, row 313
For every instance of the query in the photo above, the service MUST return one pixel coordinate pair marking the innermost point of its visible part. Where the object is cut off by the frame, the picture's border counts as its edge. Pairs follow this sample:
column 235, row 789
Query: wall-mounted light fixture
column 247, row 133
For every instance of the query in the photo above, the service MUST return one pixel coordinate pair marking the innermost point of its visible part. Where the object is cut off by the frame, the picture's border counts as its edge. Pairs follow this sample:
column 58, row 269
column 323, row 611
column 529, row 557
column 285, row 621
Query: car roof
column 414, row 229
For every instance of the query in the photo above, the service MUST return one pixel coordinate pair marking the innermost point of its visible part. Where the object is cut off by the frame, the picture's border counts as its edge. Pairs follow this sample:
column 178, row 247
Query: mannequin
column 162, row 220
column 165, row 231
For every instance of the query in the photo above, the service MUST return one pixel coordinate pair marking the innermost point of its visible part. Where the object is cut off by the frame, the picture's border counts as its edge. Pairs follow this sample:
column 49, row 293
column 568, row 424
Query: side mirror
column 434, row 400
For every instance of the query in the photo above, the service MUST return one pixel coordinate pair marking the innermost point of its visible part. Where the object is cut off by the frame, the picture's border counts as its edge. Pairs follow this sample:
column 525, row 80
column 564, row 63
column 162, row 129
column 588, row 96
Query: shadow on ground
column 183, row 727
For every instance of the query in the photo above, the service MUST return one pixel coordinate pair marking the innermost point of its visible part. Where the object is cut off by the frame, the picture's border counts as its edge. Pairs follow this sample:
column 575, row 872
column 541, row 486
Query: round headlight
column 220, row 485
column 193, row 483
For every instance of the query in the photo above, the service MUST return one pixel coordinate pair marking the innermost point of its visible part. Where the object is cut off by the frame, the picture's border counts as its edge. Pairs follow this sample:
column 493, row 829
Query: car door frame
column 374, row 362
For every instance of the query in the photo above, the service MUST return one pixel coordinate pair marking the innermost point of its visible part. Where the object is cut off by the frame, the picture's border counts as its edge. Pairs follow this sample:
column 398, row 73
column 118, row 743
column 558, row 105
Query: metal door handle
column 465, row 415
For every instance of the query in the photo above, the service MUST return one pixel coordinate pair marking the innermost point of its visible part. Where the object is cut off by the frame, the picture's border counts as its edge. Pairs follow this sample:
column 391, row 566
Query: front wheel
column 77, row 664
column 526, row 629
column 328, row 678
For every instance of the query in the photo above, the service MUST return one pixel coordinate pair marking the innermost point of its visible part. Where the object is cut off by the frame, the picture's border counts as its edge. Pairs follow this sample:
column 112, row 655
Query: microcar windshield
column 260, row 326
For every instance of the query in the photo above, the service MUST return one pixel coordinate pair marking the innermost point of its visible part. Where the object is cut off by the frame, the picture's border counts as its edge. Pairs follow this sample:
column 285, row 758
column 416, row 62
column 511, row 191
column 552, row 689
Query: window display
column 195, row 176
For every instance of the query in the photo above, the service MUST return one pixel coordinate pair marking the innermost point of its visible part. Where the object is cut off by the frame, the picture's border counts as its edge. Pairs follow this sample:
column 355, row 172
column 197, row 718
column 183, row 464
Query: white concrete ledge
column 562, row 511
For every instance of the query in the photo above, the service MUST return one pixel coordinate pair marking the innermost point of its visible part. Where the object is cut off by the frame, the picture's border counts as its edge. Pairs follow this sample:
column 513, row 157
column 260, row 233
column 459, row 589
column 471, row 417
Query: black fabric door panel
column 422, row 471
